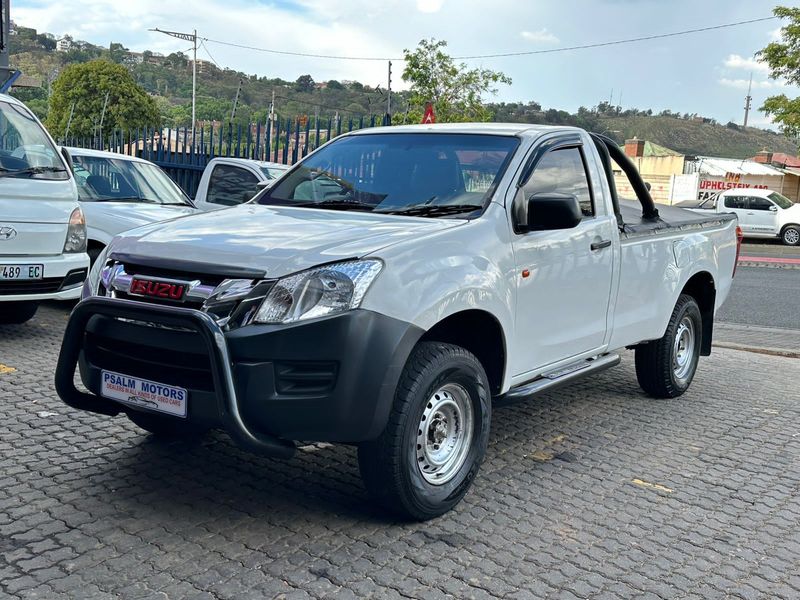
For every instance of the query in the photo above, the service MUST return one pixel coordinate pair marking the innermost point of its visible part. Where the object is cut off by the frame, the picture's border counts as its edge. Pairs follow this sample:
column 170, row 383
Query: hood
column 121, row 216
column 24, row 200
column 272, row 239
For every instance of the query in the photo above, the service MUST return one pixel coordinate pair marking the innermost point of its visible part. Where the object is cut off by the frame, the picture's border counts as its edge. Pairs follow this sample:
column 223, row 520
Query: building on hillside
column 64, row 44
column 133, row 58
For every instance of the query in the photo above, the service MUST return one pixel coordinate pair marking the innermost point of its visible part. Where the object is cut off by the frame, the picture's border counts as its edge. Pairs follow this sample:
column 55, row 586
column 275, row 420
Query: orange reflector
column 526, row 273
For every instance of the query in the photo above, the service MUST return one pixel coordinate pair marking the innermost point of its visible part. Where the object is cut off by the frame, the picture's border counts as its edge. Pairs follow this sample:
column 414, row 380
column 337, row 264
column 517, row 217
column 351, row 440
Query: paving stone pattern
column 595, row 491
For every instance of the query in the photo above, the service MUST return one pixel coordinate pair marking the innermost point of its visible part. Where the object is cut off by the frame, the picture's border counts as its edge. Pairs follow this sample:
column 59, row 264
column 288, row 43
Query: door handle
column 600, row 245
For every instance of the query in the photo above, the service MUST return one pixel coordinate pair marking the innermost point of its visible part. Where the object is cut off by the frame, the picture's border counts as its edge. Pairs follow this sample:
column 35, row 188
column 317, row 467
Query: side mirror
column 550, row 210
column 773, row 208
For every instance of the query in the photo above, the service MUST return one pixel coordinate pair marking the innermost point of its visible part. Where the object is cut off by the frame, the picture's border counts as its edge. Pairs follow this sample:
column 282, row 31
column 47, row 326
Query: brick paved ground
column 774, row 340
column 594, row 491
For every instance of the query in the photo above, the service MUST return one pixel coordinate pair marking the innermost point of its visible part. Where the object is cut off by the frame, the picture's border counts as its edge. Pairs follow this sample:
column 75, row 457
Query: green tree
column 304, row 83
column 85, row 85
column 455, row 90
column 783, row 59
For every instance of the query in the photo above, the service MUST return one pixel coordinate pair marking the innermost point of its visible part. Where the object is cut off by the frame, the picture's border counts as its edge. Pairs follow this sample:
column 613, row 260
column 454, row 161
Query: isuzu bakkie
column 391, row 286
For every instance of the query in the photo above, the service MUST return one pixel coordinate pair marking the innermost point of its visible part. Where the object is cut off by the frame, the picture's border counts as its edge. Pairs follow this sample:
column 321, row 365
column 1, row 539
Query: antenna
column 748, row 101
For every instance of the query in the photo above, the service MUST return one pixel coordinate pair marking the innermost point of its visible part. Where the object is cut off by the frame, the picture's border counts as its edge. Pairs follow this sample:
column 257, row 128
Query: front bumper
column 63, row 278
column 330, row 379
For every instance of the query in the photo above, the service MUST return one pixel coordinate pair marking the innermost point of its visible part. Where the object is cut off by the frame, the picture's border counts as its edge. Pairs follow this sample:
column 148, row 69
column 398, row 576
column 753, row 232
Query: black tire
column 165, row 427
column 14, row 313
column 790, row 235
column 656, row 368
column 390, row 465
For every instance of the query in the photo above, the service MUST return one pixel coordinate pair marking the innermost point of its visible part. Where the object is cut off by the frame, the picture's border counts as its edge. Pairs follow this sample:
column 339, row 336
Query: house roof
column 719, row 167
column 779, row 159
column 653, row 149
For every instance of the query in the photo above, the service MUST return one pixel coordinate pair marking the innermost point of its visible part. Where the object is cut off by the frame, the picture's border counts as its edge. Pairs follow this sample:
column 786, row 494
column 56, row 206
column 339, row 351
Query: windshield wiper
column 424, row 210
column 125, row 199
column 340, row 203
column 30, row 171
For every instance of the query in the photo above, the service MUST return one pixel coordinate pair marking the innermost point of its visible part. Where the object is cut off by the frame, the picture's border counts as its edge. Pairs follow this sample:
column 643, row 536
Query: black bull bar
column 214, row 338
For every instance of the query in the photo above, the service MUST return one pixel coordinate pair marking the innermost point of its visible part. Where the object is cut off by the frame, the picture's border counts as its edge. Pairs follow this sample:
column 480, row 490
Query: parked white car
column 231, row 181
column 386, row 306
column 119, row 192
column 42, row 228
column 762, row 213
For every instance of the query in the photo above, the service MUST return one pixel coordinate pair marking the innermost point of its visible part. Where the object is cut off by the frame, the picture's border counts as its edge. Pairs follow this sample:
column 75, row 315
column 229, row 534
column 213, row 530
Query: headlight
column 76, row 233
column 318, row 292
column 90, row 286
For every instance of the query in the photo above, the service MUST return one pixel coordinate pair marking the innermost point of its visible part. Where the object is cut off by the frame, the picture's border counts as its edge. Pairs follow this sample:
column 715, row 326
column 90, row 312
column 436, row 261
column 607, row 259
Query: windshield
column 274, row 172
column 780, row 200
column 423, row 174
column 25, row 149
column 102, row 179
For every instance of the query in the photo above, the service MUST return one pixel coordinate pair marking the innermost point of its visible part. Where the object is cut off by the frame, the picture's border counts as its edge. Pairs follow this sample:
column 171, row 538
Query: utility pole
column 236, row 100
column 389, row 95
column 102, row 118
column 272, row 110
column 748, row 101
column 189, row 37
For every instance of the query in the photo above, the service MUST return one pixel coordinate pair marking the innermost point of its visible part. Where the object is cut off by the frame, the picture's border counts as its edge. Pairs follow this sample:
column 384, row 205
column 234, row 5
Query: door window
column 757, row 203
column 561, row 171
column 229, row 185
column 735, row 202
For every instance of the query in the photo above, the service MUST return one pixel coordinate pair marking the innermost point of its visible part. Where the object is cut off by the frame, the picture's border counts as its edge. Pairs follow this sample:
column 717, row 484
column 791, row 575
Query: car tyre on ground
column 14, row 313
column 165, row 427
column 665, row 367
column 790, row 236
column 424, row 462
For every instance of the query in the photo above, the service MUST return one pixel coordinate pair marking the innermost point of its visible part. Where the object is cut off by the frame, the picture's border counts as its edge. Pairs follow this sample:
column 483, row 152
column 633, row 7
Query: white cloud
column 542, row 36
column 429, row 6
column 743, row 84
column 775, row 35
column 734, row 61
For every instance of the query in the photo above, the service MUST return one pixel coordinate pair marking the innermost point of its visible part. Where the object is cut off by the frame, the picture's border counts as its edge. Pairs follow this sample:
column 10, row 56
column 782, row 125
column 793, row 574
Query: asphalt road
column 764, row 296
column 769, row 248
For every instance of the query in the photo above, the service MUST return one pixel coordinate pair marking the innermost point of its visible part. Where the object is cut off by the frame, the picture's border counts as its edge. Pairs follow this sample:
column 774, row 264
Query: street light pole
column 189, row 37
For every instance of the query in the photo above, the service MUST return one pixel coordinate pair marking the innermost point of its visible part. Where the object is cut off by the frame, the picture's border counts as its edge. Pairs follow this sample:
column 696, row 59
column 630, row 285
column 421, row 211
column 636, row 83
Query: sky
column 705, row 73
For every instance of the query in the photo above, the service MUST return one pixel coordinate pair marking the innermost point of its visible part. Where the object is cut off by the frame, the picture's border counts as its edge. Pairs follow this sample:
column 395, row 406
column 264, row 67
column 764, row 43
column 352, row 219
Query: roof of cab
column 74, row 151
column 250, row 161
column 482, row 128
column 10, row 99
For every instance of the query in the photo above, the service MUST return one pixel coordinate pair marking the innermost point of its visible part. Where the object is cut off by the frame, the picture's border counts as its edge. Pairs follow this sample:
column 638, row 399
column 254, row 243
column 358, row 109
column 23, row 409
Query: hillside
column 169, row 80
column 696, row 138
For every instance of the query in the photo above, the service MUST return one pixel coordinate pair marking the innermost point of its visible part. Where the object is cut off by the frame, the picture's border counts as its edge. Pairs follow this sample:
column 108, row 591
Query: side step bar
column 550, row 381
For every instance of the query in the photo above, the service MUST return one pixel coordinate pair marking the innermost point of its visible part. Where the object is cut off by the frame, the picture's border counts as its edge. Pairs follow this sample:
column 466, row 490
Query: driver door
column 563, row 276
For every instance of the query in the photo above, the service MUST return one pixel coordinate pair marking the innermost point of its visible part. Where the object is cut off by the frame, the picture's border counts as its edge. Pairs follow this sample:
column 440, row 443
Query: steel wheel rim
column 791, row 236
column 444, row 434
column 683, row 349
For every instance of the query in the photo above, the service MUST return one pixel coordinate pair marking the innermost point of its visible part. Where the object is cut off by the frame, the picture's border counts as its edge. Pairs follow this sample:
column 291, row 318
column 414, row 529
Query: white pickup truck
column 229, row 181
column 762, row 213
column 388, row 289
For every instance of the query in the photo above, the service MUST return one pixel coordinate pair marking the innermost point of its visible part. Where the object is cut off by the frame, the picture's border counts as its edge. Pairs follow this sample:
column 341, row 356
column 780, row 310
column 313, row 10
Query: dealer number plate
column 144, row 393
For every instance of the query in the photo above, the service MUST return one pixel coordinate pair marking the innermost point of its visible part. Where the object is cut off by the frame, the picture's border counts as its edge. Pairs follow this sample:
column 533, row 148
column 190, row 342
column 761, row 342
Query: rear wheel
column 791, row 235
column 424, row 462
column 665, row 367
column 165, row 427
column 14, row 313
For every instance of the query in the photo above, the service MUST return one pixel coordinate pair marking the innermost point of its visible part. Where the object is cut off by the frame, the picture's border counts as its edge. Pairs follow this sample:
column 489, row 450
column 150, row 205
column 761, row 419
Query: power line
column 503, row 54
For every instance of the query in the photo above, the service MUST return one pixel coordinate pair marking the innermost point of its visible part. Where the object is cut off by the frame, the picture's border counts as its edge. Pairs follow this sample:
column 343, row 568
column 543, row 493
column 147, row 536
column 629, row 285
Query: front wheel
column 665, row 367
column 14, row 313
column 424, row 462
column 791, row 235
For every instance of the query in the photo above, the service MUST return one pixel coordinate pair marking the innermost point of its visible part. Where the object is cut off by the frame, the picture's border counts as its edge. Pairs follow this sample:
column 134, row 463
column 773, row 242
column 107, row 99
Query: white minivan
column 42, row 228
